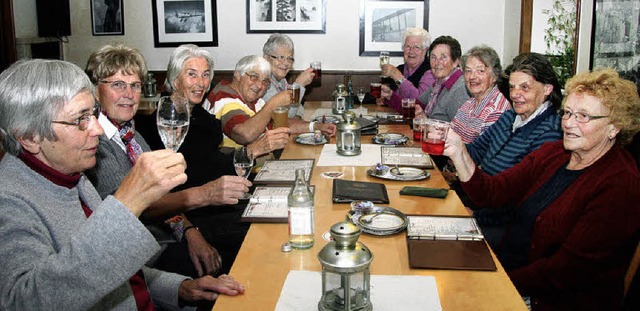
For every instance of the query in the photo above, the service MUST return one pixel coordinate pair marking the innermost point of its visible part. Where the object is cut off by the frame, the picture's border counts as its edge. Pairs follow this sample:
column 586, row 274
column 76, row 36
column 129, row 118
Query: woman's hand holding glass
column 243, row 163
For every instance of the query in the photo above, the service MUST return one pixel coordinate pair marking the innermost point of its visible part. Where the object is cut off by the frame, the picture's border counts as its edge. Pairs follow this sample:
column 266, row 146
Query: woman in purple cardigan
column 576, row 224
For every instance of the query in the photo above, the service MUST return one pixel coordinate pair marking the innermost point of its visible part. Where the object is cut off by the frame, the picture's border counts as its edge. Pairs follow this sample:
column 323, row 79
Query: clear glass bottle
column 300, row 202
column 350, row 91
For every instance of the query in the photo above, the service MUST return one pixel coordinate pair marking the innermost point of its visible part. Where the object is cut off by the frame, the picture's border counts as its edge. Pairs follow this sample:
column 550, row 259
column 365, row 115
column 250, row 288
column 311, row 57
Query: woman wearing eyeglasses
column 413, row 77
column 278, row 50
column 63, row 247
column 239, row 105
column 576, row 224
column 245, row 115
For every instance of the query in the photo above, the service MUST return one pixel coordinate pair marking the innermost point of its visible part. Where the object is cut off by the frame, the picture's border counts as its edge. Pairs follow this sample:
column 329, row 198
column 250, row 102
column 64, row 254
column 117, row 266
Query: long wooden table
column 263, row 268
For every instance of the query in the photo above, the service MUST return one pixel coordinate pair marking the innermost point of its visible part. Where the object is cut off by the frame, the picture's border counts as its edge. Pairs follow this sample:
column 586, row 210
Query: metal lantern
column 150, row 87
column 348, row 136
column 339, row 100
column 345, row 271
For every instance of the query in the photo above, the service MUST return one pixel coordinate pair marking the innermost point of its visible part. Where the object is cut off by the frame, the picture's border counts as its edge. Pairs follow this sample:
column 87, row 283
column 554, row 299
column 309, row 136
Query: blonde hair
column 620, row 96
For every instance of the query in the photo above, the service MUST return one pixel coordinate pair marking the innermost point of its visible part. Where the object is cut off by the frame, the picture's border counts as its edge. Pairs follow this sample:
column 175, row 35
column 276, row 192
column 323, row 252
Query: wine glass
column 243, row 164
column 361, row 93
column 172, row 120
column 384, row 59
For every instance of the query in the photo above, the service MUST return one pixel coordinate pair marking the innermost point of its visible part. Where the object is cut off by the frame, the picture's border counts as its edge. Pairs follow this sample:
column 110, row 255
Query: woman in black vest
column 413, row 77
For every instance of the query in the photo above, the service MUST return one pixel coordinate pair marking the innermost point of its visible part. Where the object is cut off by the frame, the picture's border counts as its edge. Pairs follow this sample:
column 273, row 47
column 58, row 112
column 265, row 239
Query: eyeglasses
column 283, row 58
column 121, row 86
column 413, row 47
column 442, row 58
column 83, row 121
column 580, row 117
column 254, row 78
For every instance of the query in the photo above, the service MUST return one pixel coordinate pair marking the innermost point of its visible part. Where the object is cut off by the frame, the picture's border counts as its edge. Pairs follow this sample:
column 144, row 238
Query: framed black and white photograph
column 107, row 18
column 286, row 16
column 383, row 22
column 178, row 22
column 616, row 37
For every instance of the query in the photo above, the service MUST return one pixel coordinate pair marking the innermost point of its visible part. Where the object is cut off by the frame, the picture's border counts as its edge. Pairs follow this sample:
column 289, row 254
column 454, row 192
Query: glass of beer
column 434, row 136
column 280, row 117
column 295, row 93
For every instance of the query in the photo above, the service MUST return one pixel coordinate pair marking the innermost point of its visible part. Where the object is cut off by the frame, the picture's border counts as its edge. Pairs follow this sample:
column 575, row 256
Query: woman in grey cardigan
column 442, row 100
column 63, row 247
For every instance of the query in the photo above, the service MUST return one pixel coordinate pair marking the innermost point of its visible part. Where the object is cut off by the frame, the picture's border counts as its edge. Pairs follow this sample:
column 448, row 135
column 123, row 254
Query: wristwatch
column 399, row 81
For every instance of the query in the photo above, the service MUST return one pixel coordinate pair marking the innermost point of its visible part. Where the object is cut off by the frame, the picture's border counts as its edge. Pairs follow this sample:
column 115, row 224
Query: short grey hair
column 487, row 56
column 249, row 63
column 32, row 93
column 180, row 56
column 424, row 36
column 275, row 41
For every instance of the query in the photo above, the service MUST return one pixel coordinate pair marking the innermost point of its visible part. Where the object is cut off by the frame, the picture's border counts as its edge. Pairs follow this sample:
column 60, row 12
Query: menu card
column 447, row 242
column 268, row 204
column 283, row 171
column 405, row 156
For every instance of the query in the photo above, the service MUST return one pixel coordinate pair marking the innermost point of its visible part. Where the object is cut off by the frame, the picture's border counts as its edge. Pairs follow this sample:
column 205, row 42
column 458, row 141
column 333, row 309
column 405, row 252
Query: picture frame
column 615, row 37
column 178, row 22
column 286, row 16
column 107, row 17
column 383, row 22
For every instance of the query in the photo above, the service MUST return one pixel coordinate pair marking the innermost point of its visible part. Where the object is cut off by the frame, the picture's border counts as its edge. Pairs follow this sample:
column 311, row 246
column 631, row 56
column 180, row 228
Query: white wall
column 472, row 22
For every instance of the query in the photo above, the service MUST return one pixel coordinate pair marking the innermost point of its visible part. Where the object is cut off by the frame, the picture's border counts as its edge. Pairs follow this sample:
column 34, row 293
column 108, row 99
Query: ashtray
column 377, row 220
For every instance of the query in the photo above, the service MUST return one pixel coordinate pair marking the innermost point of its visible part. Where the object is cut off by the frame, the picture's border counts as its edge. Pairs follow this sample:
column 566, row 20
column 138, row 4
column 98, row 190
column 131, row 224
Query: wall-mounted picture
column 382, row 24
column 286, row 16
column 107, row 17
column 616, row 37
column 180, row 22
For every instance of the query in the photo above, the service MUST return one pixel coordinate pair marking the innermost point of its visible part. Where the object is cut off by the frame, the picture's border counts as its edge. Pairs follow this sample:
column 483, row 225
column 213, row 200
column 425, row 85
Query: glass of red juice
column 408, row 109
column 418, row 128
column 376, row 89
column 317, row 70
column 434, row 136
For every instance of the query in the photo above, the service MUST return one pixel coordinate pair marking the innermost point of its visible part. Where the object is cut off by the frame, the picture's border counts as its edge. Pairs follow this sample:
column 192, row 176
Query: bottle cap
column 286, row 247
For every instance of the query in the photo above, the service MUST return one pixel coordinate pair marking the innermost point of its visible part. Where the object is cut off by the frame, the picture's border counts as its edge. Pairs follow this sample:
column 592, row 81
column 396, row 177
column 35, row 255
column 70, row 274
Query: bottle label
column 300, row 221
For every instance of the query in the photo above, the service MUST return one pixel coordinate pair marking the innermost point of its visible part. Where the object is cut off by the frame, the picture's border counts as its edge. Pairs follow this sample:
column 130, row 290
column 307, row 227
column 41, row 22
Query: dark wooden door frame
column 8, row 53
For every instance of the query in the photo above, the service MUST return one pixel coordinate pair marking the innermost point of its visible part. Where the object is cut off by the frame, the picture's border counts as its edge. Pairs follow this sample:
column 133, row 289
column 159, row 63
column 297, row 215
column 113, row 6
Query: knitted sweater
column 499, row 148
column 582, row 243
column 53, row 256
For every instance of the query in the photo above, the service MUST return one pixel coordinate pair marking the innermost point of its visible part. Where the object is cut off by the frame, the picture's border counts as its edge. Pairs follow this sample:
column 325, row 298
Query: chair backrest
column 632, row 270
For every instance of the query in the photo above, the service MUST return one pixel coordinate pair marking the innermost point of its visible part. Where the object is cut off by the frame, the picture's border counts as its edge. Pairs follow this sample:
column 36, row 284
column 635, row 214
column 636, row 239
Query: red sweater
column 582, row 243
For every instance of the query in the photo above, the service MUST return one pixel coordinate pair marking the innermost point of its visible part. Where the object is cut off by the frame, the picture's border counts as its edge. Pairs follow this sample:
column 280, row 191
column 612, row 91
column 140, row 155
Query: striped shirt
column 500, row 148
column 474, row 117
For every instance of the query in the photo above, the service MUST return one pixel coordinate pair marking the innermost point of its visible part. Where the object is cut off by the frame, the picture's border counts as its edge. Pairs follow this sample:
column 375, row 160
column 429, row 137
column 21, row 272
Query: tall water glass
column 172, row 119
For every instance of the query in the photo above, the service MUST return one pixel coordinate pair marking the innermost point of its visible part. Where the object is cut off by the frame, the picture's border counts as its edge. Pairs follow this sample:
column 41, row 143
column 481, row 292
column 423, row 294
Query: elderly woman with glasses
column 62, row 245
column 278, row 51
column 244, row 114
column 117, row 71
column 576, row 223
column 413, row 77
